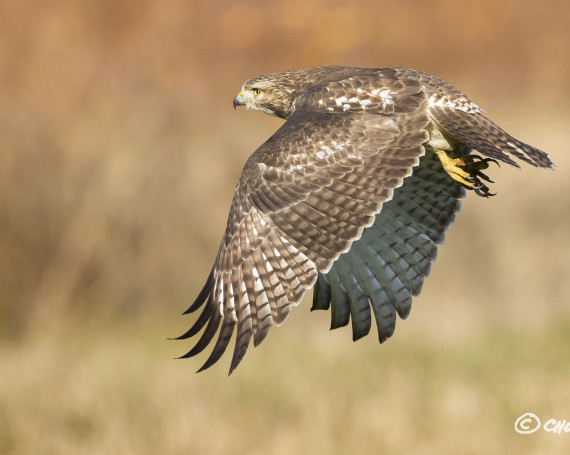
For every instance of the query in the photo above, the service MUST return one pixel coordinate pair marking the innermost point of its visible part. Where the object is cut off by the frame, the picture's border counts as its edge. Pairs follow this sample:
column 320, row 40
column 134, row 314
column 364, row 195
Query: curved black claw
column 485, row 160
column 474, row 164
column 483, row 176
column 483, row 191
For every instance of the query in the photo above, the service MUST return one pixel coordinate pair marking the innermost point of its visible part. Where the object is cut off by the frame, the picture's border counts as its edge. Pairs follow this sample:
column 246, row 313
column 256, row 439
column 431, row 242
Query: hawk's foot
column 467, row 171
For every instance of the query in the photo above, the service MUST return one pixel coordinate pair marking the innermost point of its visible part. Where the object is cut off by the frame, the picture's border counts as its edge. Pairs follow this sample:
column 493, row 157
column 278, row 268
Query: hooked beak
column 238, row 100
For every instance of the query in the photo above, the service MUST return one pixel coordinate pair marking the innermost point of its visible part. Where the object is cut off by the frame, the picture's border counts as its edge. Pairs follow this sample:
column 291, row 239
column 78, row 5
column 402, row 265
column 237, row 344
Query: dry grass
column 119, row 154
column 113, row 391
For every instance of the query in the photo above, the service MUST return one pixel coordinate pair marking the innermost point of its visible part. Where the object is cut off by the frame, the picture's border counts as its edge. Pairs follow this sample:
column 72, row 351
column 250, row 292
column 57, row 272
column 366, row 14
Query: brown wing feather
column 388, row 264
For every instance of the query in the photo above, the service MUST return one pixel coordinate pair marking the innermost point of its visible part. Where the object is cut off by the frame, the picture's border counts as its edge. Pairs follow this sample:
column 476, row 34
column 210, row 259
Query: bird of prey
column 350, row 196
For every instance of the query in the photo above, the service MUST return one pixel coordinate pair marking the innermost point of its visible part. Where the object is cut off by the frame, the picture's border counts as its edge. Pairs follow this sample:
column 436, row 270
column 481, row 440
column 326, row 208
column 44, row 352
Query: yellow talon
column 451, row 166
column 467, row 171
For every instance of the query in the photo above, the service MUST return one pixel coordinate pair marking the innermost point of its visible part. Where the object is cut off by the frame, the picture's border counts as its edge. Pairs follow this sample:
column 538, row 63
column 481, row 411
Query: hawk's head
column 276, row 93
column 271, row 94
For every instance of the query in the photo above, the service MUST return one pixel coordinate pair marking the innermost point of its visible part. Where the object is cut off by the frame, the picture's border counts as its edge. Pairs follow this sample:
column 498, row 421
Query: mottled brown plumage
column 347, row 196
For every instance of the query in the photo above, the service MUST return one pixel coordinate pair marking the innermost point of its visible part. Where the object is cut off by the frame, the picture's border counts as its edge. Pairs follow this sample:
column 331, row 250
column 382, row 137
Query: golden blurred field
column 119, row 153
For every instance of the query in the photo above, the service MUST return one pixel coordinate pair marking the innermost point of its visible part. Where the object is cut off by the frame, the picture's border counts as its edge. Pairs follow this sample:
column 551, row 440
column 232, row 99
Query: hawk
column 350, row 196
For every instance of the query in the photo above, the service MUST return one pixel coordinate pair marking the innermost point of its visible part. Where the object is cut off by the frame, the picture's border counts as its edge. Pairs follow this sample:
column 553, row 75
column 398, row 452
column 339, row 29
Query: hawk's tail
column 483, row 135
column 504, row 143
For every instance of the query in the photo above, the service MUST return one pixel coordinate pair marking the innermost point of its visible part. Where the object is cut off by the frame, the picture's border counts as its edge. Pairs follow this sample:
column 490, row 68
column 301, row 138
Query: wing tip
column 552, row 165
column 203, row 295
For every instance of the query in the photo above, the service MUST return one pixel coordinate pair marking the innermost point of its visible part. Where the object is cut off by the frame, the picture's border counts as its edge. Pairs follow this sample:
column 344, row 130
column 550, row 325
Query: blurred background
column 119, row 153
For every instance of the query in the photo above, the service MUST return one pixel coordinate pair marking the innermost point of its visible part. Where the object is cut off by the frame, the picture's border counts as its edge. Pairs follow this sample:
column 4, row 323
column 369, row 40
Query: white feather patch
column 341, row 100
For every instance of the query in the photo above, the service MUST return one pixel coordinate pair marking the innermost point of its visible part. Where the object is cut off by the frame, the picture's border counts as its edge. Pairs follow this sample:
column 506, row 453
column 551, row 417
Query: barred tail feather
column 487, row 138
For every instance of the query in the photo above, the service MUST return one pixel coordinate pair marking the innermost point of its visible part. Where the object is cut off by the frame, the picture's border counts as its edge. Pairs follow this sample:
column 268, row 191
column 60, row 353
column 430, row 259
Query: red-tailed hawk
column 350, row 196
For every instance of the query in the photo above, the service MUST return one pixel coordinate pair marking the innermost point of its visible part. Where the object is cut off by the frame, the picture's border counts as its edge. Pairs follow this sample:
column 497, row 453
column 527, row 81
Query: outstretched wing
column 388, row 264
column 303, row 198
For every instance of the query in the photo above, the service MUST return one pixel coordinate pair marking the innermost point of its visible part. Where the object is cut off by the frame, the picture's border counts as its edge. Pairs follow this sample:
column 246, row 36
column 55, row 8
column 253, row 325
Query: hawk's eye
column 256, row 91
